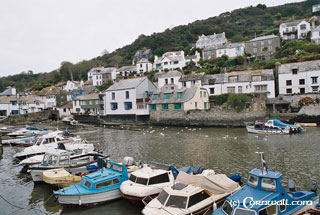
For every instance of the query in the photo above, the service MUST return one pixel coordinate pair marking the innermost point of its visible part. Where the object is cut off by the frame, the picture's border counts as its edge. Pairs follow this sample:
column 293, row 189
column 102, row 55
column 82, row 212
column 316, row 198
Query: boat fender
column 80, row 203
column 236, row 178
column 214, row 206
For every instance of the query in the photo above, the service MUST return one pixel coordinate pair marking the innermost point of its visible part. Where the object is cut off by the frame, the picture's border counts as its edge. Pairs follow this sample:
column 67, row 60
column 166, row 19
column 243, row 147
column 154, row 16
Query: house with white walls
column 192, row 79
column 87, row 104
column 230, row 49
column 126, row 71
column 183, row 99
column 169, row 61
column 251, row 81
column 315, row 35
column 9, row 105
column 170, row 78
column 193, row 58
column 211, row 40
column 299, row 78
column 30, row 104
column 143, row 66
column 294, row 30
column 100, row 75
column 73, row 85
column 65, row 110
column 128, row 97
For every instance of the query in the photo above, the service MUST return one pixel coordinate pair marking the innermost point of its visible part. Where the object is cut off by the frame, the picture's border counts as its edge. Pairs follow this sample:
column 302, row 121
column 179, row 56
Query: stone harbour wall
column 31, row 117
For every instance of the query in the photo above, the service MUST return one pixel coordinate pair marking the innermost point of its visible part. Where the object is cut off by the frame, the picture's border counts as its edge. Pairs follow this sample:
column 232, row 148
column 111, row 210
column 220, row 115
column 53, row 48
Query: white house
column 315, row 35
column 192, row 79
column 73, row 85
column 30, row 104
column 170, row 78
column 126, row 71
column 294, row 30
column 193, row 58
column 65, row 110
column 252, row 81
column 129, row 97
column 100, row 75
column 231, row 50
column 211, row 40
column 8, row 105
column 143, row 66
column 170, row 61
column 302, row 77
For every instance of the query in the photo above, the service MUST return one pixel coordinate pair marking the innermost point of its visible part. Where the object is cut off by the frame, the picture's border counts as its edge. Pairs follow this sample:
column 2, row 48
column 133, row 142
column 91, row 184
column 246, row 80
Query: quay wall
column 31, row 117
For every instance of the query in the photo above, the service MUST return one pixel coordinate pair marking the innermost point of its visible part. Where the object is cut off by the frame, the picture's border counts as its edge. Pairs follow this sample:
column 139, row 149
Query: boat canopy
column 282, row 124
column 214, row 183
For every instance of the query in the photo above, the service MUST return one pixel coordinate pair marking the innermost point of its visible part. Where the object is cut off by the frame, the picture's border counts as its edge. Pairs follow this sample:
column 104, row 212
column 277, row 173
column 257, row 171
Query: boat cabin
column 262, row 188
column 148, row 176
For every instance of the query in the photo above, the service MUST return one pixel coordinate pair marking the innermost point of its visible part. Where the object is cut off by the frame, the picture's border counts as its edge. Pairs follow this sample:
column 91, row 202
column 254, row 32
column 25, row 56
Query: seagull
column 144, row 133
column 178, row 133
column 235, row 138
column 256, row 137
column 265, row 139
column 152, row 131
column 162, row 134
column 224, row 138
column 206, row 136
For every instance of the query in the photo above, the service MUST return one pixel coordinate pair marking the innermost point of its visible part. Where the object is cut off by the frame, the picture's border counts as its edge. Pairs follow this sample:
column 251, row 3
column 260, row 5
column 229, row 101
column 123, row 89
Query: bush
column 238, row 101
column 219, row 100
column 307, row 101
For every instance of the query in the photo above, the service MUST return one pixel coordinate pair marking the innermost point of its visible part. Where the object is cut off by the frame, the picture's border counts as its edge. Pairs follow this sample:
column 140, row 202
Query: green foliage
column 105, row 86
column 219, row 100
column 238, row 101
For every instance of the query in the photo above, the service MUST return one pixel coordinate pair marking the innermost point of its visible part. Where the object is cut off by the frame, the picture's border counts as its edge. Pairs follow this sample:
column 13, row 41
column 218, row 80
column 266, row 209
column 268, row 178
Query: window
column 163, row 196
column 132, row 178
column 205, row 94
column 196, row 105
column 253, row 180
column 255, row 50
column 165, row 63
column 282, row 208
column 303, row 27
column 164, row 107
column 177, row 201
column 289, row 91
column 231, row 89
column 314, row 80
column 155, row 97
column 114, row 106
column 196, row 198
column 87, row 184
column 294, row 71
column 239, row 89
column 289, row 82
column 233, row 79
column 268, row 183
column 269, row 210
column 260, row 88
column 167, row 95
column 172, row 81
column 115, row 181
column 104, row 184
column 242, row 211
column 153, row 107
column 166, row 81
column 143, row 181
column 211, row 91
column 315, row 88
column 180, row 95
column 256, row 78
column 184, row 84
column 177, row 106
column 163, row 178
column 113, row 96
column 128, row 105
column 127, row 94
column 200, row 94
column 302, row 90
column 205, row 105
column 227, row 208
column 301, row 82
column 270, row 48
column 175, row 62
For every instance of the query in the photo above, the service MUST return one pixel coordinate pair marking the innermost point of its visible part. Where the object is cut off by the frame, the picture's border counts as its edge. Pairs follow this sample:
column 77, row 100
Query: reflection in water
column 226, row 151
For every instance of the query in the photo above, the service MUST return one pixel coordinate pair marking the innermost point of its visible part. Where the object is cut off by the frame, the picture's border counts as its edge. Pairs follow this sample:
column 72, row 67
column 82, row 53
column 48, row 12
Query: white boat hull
column 251, row 129
column 89, row 199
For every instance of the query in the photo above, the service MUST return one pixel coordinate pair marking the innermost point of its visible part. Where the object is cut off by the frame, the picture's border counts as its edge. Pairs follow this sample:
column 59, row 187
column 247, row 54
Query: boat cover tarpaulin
column 282, row 124
column 215, row 183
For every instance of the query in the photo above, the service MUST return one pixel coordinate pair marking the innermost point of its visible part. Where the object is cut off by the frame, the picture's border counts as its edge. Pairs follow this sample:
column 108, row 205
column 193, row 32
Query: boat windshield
column 50, row 159
column 227, row 208
column 253, row 180
column 268, row 183
column 143, row 181
column 39, row 141
column 242, row 211
column 177, row 201
column 162, row 198
column 132, row 178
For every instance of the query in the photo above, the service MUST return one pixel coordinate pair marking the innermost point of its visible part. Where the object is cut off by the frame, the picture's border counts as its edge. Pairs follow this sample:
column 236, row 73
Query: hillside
column 239, row 25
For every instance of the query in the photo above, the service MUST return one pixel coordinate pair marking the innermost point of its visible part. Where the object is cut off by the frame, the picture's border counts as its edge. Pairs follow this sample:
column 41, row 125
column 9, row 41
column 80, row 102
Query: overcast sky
column 39, row 34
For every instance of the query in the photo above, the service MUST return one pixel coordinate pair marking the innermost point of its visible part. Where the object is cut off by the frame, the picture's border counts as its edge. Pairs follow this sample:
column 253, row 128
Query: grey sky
column 39, row 34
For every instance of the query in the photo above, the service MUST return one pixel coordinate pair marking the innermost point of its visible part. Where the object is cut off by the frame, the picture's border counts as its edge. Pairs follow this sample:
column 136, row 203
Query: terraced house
column 88, row 104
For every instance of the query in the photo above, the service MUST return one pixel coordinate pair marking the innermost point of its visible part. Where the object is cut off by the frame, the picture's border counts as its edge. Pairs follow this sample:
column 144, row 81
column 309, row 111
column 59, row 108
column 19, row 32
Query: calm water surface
column 228, row 151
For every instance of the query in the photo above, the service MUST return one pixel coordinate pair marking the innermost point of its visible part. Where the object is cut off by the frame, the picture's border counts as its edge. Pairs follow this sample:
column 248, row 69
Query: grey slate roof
column 188, row 93
column 306, row 66
column 194, row 76
column 170, row 74
column 126, row 84
column 93, row 96
column 127, row 68
column 102, row 70
column 7, row 92
column 268, row 37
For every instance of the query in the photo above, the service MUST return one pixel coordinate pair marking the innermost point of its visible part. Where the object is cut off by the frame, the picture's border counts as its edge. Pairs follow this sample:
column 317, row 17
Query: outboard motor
column 197, row 170
column 61, row 146
column 291, row 185
column 128, row 161
column 314, row 187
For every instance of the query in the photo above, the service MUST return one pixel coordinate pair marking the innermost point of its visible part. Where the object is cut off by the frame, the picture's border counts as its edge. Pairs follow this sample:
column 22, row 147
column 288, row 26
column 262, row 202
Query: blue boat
column 95, row 188
column 263, row 194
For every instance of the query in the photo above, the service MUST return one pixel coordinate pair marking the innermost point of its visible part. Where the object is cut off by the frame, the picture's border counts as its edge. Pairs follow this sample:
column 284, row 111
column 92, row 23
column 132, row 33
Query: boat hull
column 89, row 199
column 141, row 201
column 252, row 130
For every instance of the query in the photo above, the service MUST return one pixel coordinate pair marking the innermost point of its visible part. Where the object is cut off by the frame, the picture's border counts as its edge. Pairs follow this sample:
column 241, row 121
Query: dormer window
column 256, row 78
column 233, row 79
column 294, row 71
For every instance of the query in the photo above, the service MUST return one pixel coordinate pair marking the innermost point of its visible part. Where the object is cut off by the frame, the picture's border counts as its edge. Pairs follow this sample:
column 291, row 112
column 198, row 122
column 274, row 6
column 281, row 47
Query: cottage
column 192, row 79
column 315, row 35
column 9, row 105
column 100, row 75
column 142, row 54
column 231, row 50
column 48, row 96
column 65, row 110
column 143, row 66
column 193, row 58
column 30, row 104
column 170, row 78
column 184, row 99
column 73, row 85
column 170, row 61
column 262, row 47
column 294, row 30
column 88, row 104
column 252, row 81
column 128, row 97
column 211, row 40
column 126, row 71
column 302, row 77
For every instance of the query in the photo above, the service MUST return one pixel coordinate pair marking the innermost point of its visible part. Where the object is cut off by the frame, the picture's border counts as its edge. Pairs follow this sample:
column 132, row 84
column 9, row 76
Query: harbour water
column 228, row 151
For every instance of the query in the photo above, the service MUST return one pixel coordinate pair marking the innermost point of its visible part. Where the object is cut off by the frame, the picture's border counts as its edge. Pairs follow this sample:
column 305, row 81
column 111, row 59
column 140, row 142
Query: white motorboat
column 192, row 194
column 51, row 142
column 76, row 164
